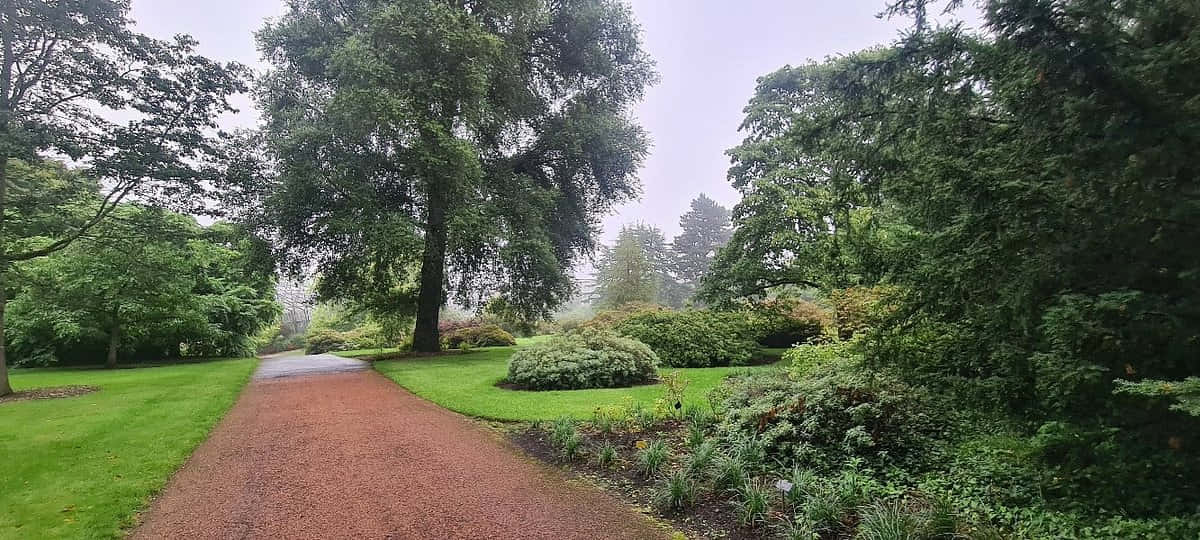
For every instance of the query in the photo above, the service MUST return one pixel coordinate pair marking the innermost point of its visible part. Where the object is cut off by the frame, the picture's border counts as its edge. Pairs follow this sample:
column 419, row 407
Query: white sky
column 709, row 53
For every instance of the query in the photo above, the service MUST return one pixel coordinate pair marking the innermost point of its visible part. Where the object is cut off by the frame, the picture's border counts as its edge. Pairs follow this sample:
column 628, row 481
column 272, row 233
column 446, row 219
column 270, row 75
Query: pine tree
column 706, row 228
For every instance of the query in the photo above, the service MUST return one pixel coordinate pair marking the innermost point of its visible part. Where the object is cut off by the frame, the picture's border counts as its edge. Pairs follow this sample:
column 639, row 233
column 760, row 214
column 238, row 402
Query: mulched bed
column 712, row 516
column 52, row 392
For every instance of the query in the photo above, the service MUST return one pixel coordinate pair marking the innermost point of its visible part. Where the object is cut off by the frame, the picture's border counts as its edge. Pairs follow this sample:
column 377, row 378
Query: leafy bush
column 828, row 416
column 858, row 309
column 486, row 335
column 786, row 322
column 278, row 342
column 694, row 338
column 323, row 340
column 585, row 359
column 611, row 318
column 809, row 359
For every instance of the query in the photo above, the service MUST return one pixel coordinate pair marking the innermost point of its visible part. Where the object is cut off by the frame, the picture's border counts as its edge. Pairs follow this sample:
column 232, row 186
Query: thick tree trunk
column 433, row 270
column 6, row 109
column 5, row 387
column 114, row 342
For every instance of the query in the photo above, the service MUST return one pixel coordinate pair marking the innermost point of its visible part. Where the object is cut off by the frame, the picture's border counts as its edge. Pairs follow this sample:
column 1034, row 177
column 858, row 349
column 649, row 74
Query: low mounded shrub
column 323, row 340
column 699, row 338
column 486, row 335
column 584, row 359
column 829, row 415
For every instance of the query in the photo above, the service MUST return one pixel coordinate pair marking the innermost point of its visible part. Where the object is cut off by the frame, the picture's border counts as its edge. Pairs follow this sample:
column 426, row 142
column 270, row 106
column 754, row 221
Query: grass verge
column 82, row 467
column 467, row 384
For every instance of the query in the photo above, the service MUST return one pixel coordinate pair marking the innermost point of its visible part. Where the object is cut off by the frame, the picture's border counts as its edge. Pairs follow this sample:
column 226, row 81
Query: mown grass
column 82, row 467
column 467, row 384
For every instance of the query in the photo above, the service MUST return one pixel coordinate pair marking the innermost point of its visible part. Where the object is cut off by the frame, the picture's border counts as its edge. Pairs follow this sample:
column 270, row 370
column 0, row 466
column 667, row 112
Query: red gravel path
column 352, row 455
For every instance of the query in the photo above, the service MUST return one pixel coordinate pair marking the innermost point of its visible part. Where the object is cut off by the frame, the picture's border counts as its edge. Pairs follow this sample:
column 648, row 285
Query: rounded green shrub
column 323, row 340
column 584, row 359
column 484, row 335
column 698, row 338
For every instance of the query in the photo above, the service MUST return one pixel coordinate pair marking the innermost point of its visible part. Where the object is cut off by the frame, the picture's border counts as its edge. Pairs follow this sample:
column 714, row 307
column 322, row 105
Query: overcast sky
column 709, row 53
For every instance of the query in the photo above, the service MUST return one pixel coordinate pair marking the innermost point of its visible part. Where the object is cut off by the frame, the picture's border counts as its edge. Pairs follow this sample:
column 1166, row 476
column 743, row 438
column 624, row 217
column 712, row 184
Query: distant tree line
column 642, row 267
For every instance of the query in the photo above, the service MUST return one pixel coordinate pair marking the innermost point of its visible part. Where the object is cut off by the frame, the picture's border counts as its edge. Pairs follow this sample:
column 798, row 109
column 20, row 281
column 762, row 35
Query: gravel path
column 352, row 455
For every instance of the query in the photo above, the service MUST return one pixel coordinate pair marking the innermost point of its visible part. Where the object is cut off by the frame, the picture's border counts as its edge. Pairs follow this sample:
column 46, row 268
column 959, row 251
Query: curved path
column 322, row 447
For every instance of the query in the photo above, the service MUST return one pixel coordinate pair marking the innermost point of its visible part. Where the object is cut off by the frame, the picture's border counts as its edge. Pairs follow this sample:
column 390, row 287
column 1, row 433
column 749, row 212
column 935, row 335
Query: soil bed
column 712, row 515
column 53, row 392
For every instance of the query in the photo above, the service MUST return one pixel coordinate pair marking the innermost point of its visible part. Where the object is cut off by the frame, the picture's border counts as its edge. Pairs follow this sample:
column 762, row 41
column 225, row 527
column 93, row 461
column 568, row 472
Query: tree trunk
column 433, row 270
column 5, row 139
column 5, row 387
column 114, row 341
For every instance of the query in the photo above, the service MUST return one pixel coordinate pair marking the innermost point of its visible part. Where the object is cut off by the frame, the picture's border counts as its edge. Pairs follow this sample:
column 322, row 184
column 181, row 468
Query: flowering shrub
column 584, row 359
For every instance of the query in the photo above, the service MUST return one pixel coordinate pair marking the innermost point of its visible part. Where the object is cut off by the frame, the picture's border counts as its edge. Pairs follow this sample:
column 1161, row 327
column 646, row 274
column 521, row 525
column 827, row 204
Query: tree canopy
column 144, row 284
column 422, row 148
column 705, row 229
column 68, row 71
column 1028, row 188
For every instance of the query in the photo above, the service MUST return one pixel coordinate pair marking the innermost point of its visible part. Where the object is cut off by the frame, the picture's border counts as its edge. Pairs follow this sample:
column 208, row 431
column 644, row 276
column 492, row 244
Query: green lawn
column 355, row 353
column 466, row 383
column 82, row 467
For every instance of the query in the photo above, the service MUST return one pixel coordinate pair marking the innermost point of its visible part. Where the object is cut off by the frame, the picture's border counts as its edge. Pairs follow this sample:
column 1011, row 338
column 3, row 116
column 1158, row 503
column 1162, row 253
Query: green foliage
column 890, row 521
column 323, row 340
column 152, row 284
column 752, row 502
column 403, row 156
column 828, row 416
column 729, row 472
column 609, row 319
column 1184, row 395
column 858, row 309
column 652, row 458
column 701, row 458
column 787, row 322
column 805, row 360
column 677, row 492
column 633, row 270
column 485, row 335
column 704, row 230
column 694, row 338
column 606, row 455
column 62, row 64
column 585, row 359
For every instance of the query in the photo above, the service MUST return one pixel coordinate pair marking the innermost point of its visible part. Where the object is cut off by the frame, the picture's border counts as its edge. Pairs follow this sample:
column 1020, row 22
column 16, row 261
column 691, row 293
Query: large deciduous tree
column 419, row 147
column 134, row 111
column 145, row 284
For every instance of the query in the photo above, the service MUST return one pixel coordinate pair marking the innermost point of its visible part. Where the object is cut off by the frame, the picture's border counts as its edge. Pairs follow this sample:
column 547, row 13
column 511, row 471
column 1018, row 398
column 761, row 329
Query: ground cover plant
column 82, row 467
column 467, row 383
